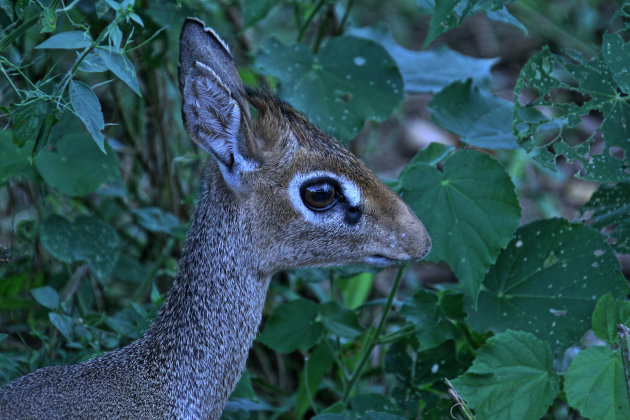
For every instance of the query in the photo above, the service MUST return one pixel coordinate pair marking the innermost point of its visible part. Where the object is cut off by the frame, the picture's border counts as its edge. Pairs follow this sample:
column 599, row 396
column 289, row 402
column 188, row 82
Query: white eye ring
column 348, row 189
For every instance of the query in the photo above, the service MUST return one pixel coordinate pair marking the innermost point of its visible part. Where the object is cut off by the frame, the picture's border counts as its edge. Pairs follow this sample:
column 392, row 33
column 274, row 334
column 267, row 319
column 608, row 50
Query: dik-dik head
column 307, row 200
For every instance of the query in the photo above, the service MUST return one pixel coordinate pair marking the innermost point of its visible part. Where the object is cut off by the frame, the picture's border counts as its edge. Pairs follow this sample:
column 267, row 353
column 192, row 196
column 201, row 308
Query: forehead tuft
column 278, row 117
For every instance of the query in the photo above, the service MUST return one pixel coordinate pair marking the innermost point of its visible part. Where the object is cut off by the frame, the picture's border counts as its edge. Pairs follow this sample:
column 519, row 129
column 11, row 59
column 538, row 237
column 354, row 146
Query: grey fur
column 247, row 225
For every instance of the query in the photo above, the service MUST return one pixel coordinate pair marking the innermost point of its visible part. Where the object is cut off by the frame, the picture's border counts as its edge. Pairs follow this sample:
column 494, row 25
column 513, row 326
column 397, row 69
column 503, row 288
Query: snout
column 415, row 240
column 404, row 239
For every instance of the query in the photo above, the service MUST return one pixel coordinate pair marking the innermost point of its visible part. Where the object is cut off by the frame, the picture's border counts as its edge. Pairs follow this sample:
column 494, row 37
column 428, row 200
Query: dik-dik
column 278, row 193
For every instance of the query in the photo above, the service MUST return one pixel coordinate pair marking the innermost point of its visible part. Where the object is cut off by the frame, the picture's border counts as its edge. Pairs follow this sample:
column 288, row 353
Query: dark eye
column 319, row 195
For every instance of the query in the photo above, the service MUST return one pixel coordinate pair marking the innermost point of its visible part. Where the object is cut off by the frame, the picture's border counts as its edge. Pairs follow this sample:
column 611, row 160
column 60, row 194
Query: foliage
column 96, row 188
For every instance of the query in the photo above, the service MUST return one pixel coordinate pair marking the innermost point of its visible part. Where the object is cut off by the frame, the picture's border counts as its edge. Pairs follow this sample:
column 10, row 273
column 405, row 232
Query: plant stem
column 397, row 335
column 468, row 415
column 14, row 34
column 624, row 341
column 346, row 13
column 68, row 76
column 309, row 19
column 546, row 27
column 373, row 340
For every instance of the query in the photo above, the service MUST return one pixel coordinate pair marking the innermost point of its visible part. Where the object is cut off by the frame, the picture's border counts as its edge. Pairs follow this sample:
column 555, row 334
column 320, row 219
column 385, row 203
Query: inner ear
column 215, row 113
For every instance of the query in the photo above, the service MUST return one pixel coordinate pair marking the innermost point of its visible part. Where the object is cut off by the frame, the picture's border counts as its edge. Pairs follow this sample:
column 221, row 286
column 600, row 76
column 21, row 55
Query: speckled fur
column 244, row 229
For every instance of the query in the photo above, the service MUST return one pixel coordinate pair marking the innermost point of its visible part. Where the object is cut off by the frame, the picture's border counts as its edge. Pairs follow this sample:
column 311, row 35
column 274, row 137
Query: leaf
column 316, row 366
column 470, row 211
column 432, row 314
column 7, row 8
column 552, row 80
column 340, row 321
column 481, row 119
column 243, row 388
column 87, row 107
column 547, row 282
column 26, row 122
column 428, row 71
column 14, row 161
column 92, row 63
column 398, row 361
column 449, row 14
column 371, row 403
column 255, row 10
column 596, row 385
column 48, row 20
column 511, row 374
column 74, row 164
column 46, row 296
column 349, row 81
column 292, row 326
column 437, row 363
column 351, row 415
column 616, row 54
column 503, row 15
column 356, row 289
column 87, row 239
column 607, row 314
column 610, row 207
column 63, row 323
column 120, row 65
column 155, row 219
column 433, row 154
column 69, row 40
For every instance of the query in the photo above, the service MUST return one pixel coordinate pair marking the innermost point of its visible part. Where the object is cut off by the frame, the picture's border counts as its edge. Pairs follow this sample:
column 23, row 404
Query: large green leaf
column 511, row 378
column 74, row 164
column 428, row 71
column 349, row 81
column 547, row 282
column 292, row 326
column 470, row 210
column 550, row 80
column 596, row 385
column 616, row 54
column 608, row 210
column 433, row 315
column 479, row 118
column 87, row 239
column 607, row 314
column 449, row 14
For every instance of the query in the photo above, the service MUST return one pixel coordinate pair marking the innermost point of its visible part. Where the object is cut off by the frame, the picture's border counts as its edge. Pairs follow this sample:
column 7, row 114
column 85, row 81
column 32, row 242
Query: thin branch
column 373, row 340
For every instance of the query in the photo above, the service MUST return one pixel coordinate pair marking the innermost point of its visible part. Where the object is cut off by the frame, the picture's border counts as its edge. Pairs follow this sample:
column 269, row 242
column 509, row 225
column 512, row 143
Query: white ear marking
column 215, row 118
column 349, row 190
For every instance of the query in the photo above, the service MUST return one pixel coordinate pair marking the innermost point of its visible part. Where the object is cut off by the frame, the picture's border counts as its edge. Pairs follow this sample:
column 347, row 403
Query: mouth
column 379, row 260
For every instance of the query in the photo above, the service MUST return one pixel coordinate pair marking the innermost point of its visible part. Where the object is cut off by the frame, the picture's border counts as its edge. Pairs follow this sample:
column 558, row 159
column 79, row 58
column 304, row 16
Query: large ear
column 215, row 114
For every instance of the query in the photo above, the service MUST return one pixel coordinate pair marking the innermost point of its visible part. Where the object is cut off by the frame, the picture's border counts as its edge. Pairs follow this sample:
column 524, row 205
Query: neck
column 203, row 334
